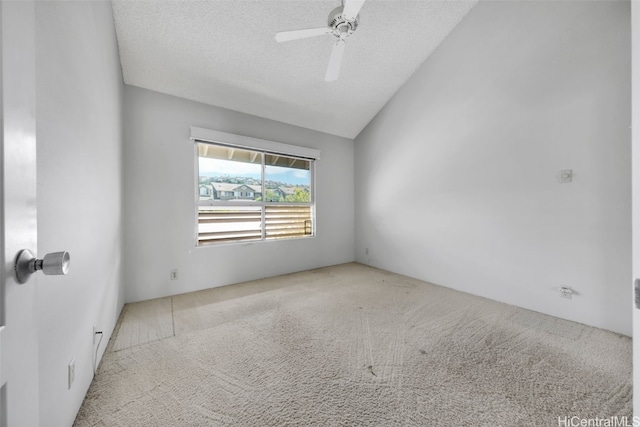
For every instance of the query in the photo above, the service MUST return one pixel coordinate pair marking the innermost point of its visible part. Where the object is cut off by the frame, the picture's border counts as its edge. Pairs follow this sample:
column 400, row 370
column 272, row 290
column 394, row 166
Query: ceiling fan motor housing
column 341, row 27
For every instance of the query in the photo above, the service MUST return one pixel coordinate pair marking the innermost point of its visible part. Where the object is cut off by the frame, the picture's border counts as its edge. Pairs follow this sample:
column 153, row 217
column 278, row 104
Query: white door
column 635, row 148
column 18, row 328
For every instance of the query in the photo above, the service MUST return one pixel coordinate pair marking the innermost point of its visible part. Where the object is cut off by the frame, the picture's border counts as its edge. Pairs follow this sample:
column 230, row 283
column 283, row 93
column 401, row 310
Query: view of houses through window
column 250, row 195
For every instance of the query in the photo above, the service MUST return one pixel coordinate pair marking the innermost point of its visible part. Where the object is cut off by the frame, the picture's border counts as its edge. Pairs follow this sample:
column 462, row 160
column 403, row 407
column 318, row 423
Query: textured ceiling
column 223, row 53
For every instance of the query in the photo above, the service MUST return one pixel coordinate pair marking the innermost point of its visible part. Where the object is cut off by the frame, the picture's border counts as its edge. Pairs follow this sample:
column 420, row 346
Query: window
column 252, row 194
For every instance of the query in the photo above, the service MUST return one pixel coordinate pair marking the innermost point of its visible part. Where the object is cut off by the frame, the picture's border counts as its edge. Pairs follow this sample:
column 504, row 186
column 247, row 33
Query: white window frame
column 201, row 135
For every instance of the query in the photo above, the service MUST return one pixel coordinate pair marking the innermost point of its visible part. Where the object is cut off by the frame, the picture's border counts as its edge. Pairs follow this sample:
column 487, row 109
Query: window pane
column 229, row 223
column 227, row 173
column 287, row 180
column 228, row 178
column 287, row 221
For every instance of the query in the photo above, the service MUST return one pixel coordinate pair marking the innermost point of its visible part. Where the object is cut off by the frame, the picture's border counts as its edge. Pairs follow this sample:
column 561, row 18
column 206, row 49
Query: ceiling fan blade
column 285, row 36
column 352, row 8
column 333, row 70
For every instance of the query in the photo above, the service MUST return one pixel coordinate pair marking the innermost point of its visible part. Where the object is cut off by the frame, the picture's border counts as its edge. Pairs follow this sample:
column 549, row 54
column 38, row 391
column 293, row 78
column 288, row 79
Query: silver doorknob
column 53, row 263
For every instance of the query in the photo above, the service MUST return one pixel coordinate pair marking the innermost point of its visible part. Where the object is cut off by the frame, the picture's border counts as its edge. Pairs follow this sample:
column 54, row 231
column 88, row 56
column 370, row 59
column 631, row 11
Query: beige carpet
column 352, row 346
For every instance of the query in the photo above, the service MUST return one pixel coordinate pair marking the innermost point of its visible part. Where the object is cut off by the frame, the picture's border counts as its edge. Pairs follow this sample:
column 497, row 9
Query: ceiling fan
column 343, row 21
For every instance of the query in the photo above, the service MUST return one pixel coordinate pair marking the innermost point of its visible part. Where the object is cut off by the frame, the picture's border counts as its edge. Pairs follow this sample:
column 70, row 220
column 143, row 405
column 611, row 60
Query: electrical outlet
column 366, row 251
column 94, row 334
column 71, row 371
column 174, row 274
column 565, row 292
column 566, row 176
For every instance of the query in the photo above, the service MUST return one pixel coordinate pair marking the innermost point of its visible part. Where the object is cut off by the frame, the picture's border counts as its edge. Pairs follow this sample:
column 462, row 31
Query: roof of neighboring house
column 224, row 186
column 288, row 190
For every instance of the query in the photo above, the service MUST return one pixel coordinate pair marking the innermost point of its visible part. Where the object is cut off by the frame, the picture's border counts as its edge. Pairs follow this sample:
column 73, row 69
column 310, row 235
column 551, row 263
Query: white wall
column 79, row 148
column 457, row 177
column 160, row 210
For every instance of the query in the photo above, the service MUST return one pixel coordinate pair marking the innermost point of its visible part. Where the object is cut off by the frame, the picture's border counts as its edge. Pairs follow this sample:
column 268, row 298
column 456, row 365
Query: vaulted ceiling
column 223, row 53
